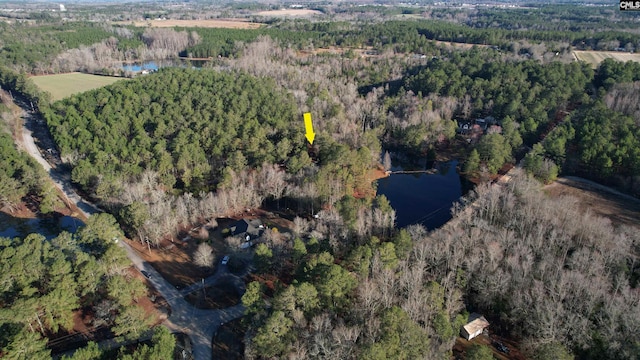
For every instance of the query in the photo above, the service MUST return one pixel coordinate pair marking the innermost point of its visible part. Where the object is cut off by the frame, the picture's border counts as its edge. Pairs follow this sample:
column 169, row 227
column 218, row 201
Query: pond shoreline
column 422, row 191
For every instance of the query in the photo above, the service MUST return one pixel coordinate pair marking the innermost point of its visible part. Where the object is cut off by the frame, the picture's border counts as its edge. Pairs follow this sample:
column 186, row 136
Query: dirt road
column 200, row 325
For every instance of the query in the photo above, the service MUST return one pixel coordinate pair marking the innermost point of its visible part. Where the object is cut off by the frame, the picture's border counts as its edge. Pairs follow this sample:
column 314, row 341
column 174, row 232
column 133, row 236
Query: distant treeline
column 28, row 46
column 399, row 35
column 20, row 83
column 31, row 47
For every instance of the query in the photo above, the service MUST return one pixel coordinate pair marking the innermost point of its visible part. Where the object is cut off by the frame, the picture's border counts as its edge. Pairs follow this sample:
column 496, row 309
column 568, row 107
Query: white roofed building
column 476, row 325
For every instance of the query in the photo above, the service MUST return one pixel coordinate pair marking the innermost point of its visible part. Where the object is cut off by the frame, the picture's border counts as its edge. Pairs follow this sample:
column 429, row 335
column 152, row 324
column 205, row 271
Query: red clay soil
column 154, row 304
column 30, row 205
column 173, row 258
column 269, row 282
column 21, row 211
column 462, row 345
column 371, row 176
column 84, row 331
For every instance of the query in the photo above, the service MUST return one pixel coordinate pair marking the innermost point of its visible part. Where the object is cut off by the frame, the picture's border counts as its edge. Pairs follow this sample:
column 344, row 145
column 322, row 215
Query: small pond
column 49, row 227
column 424, row 197
column 158, row 64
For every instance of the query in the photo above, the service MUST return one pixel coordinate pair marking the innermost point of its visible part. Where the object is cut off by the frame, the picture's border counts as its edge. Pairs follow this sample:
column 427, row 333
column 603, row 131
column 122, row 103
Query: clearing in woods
column 596, row 57
column 621, row 209
column 226, row 24
column 61, row 86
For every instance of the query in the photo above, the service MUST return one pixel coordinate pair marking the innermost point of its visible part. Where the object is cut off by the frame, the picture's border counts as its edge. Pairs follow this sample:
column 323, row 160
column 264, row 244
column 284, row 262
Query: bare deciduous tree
column 386, row 161
column 204, row 256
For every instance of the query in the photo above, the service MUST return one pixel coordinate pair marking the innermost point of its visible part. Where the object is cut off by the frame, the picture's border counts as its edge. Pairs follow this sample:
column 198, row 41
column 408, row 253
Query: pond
column 49, row 227
column 425, row 197
column 154, row 65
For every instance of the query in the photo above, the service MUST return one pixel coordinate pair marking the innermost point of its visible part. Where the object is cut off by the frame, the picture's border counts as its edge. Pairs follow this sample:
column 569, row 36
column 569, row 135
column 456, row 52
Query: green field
column 64, row 85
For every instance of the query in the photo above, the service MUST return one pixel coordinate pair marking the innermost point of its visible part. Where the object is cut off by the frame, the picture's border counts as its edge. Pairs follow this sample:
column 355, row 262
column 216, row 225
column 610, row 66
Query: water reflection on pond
column 49, row 227
column 424, row 198
column 154, row 65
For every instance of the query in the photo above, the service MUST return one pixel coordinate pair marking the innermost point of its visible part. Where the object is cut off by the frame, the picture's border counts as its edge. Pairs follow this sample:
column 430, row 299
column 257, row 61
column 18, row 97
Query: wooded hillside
column 189, row 126
column 558, row 279
column 45, row 281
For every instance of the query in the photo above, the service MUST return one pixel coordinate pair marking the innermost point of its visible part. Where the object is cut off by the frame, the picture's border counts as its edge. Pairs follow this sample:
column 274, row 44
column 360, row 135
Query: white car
column 225, row 260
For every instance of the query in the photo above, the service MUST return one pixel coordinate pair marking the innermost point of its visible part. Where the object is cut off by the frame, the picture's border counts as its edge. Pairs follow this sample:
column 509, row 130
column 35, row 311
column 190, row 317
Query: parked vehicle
column 500, row 346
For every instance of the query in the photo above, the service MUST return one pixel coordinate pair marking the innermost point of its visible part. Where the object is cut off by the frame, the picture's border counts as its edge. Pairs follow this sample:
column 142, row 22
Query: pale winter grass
column 226, row 24
column 289, row 12
column 596, row 57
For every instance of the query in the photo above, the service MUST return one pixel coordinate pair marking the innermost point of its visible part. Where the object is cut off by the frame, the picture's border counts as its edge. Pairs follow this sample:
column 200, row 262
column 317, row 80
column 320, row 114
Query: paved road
column 222, row 272
column 200, row 325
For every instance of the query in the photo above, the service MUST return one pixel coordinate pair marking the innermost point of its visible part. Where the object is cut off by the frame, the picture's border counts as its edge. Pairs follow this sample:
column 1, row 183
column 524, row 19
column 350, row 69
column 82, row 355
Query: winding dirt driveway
column 200, row 325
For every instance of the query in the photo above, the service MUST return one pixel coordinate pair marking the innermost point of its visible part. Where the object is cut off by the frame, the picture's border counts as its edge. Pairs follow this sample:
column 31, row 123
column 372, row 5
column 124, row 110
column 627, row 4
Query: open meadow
column 210, row 23
column 621, row 209
column 289, row 12
column 61, row 86
column 596, row 57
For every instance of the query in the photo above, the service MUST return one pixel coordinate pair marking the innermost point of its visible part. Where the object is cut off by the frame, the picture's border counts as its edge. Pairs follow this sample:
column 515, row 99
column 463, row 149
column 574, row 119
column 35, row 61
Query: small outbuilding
column 474, row 327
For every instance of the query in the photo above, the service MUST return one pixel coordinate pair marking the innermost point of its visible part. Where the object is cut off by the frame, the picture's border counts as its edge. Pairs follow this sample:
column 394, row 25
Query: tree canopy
column 189, row 126
column 45, row 282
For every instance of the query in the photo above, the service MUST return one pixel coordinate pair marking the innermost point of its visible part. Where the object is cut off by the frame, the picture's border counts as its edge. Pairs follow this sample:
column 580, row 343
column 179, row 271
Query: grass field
column 226, row 24
column 621, row 209
column 63, row 85
column 289, row 12
column 596, row 57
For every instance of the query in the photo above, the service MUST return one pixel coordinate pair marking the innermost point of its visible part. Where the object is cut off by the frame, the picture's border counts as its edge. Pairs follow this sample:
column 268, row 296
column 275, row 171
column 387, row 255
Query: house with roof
column 464, row 128
column 247, row 229
column 474, row 327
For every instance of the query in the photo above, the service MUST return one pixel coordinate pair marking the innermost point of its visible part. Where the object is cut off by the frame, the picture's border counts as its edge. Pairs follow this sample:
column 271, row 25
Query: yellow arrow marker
column 308, row 127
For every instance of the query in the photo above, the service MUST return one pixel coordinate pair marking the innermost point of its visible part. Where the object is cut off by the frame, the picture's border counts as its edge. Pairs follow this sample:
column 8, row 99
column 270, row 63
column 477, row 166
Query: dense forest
column 44, row 42
column 536, row 271
column 156, row 133
column 189, row 126
column 406, row 36
column 44, row 282
column 531, row 101
column 180, row 146
column 21, row 177
column 560, row 16
column 560, row 280
column 599, row 140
